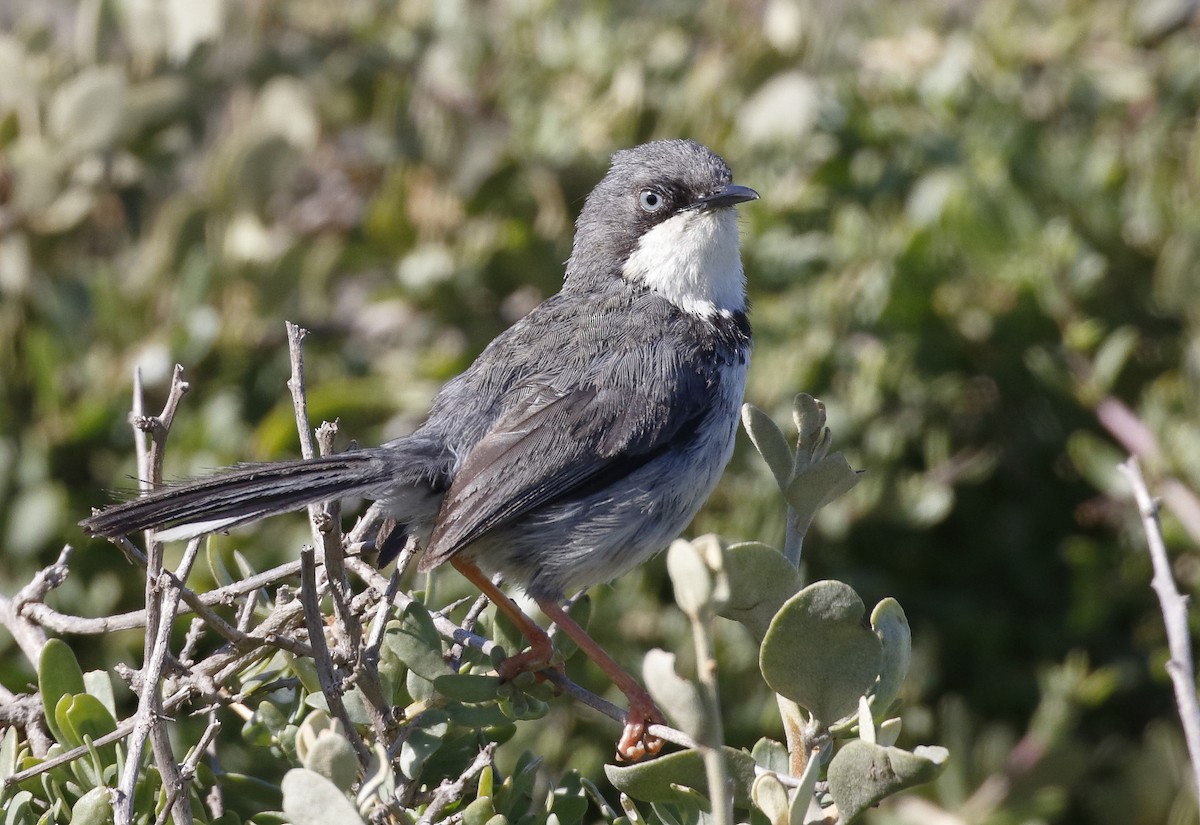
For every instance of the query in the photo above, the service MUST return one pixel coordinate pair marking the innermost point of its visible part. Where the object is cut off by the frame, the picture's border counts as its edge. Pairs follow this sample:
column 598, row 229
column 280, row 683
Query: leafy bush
column 976, row 244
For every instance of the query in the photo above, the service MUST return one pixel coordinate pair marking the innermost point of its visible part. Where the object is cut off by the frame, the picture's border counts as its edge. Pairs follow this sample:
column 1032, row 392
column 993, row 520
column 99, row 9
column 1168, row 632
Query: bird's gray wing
column 558, row 445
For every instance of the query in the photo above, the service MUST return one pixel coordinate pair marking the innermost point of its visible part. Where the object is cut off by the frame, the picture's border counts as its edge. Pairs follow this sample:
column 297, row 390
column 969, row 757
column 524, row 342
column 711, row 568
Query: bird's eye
column 651, row 201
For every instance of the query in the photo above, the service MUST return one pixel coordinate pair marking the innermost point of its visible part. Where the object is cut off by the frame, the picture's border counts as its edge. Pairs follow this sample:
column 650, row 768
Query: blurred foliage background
column 980, row 223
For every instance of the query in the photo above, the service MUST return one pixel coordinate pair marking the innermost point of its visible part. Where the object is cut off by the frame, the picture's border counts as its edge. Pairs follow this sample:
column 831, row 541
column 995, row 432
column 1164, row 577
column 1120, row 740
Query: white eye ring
column 651, row 201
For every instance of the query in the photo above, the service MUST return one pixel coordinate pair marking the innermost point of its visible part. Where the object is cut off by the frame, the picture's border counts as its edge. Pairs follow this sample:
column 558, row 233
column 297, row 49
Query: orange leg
column 541, row 649
column 636, row 741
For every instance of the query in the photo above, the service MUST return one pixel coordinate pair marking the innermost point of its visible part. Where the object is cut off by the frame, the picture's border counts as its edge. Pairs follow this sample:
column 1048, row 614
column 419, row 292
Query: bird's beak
column 728, row 195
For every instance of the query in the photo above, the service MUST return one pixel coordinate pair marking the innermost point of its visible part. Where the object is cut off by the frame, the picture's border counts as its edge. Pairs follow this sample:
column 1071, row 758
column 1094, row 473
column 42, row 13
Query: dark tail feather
column 246, row 493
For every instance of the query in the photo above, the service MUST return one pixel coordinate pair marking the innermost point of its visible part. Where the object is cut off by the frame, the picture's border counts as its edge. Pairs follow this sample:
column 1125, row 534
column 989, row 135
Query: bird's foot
column 636, row 742
column 534, row 660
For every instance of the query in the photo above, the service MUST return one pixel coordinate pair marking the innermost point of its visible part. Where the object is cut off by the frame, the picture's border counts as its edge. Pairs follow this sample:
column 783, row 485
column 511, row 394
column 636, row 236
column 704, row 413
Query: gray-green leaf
column 760, row 581
column 311, row 799
column 651, row 781
column 770, row 442
column 895, row 639
column 818, row 653
column 861, row 774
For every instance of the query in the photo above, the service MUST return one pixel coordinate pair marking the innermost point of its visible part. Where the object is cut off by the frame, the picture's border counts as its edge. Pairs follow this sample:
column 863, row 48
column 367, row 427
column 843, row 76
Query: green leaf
column 306, row 671
column 651, row 781
column 861, row 774
column 817, row 652
column 333, row 757
column 9, row 751
column 477, row 716
column 895, row 640
column 569, row 800
column 466, row 687
column 760, row 581
column 16, row 809
column 59, row 675
column 93, row 808
column 86, row 112
column 99, row 684
column 60, row 720
column 479, row 812
column 770, row 442
column 818, row 484
column 690, row 576
column 425, row 738
column 771, row 798
column 86, row 716
column 415, row 640
column 771, row 755
column 311, row 799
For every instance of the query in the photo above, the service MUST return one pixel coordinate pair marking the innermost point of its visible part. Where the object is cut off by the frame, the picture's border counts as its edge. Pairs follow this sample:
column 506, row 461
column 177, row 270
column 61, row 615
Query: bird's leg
column 636, row 742
column 541, row 649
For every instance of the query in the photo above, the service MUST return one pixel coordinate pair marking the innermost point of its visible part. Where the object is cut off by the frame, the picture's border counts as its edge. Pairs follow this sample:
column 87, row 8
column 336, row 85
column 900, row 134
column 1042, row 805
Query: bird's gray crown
column 682, row 172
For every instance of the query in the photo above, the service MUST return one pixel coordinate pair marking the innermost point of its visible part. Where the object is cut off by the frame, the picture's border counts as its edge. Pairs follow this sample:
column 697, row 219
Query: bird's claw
column 636, row 742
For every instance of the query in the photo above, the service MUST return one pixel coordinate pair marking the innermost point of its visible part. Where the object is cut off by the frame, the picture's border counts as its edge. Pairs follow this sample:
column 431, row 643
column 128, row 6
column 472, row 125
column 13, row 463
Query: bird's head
column 662, row 220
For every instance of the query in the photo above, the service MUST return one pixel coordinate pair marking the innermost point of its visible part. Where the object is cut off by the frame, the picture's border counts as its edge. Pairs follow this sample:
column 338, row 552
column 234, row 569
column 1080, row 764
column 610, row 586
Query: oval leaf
column 311, row 799
column 895, row 639
column 690, row 576
column 87, row 716
column 861, row 774
column 59, row 675
column 760, row 581
column 651, row 781
column 93, row 808
column 467, row 687
column 770, row 442
column 771, row 798
column 416, row 642
column 333, row 757
column 817, row 652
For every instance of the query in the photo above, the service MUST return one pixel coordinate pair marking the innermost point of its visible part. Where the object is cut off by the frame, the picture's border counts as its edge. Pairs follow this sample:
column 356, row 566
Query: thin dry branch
column 1138, row 439
column 150, row 703
column 1174, row 605
column 331, row 683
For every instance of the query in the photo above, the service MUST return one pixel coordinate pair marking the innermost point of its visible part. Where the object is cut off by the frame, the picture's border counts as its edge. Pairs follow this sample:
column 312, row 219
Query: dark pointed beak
column 728, row 195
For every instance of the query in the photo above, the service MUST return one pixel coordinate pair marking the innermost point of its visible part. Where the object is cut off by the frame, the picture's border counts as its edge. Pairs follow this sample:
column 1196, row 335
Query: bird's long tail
column 246, row 493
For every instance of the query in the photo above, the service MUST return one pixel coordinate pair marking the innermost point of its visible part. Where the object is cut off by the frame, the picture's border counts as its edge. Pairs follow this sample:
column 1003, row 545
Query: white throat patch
column 692, row 260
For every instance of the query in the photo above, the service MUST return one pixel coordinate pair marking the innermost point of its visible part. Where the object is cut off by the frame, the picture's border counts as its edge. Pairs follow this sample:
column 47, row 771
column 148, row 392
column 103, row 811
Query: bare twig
column 331, row 685
column 205, row 679
column 1138, row 439
column 64, row 623
column 150, row 703
column 187, row 768
column 452, row 790
column 327, row 534
column 1175, row 616
column 162, row 602
column 28, row 635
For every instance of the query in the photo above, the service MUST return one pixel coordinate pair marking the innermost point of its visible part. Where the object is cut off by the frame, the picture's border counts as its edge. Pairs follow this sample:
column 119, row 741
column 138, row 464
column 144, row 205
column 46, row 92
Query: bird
column 578, row 444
